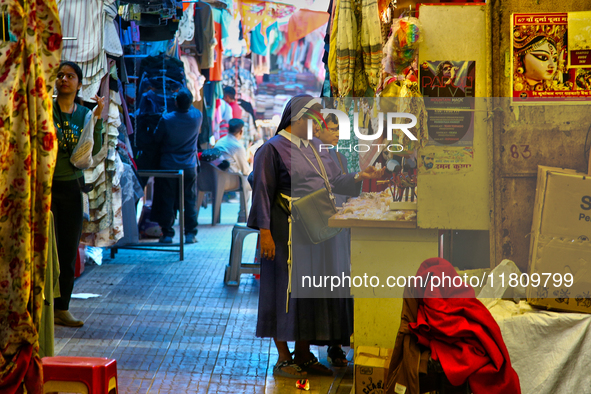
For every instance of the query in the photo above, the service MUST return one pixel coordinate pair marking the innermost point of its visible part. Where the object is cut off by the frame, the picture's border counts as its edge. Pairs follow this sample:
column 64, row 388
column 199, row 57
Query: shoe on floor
column 337, row 357
column 190, row 239
column 288, row 369
column 65, row 318
column 313, row 367
column 165, row 239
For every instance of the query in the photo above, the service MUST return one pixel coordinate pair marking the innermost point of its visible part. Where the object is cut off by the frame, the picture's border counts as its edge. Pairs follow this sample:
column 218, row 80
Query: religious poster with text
column 546, row 67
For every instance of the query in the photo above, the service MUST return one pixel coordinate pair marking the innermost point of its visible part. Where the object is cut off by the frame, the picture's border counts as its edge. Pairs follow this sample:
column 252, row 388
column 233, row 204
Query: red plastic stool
column 88, row 375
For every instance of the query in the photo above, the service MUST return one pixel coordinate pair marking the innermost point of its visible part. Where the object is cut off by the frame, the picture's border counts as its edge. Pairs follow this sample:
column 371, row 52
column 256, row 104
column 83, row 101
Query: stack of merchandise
column 307, row 79
column 280, row 102
column 264, row 106
column 268, row 106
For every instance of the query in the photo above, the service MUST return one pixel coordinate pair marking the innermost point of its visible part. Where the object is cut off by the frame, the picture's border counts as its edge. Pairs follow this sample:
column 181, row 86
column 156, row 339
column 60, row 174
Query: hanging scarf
column 346, row 44
column 371, row 41
column 412, row 102
column 332, row 52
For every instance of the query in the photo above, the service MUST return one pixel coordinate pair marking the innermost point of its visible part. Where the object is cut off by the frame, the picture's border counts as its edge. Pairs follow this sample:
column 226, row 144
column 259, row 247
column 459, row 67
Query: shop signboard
column 548, row 65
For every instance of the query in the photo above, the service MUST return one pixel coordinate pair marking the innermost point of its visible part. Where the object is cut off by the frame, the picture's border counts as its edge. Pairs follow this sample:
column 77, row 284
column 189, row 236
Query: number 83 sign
column 518, row 151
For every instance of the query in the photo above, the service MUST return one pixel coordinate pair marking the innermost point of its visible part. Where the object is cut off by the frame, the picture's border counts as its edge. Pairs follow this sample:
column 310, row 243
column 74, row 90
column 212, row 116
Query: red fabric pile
column 27, row 371
column 462, row 334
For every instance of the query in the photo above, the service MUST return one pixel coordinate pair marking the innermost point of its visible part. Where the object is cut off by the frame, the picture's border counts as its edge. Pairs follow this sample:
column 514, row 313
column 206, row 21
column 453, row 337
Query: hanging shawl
column 332, row 52
column 412, row 102
column 371, row 41
column 346, row 44
column 360, row 82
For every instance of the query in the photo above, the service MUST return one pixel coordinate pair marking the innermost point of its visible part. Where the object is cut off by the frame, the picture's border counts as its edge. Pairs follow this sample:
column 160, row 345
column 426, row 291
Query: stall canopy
column 305, row 16
column 304, row 22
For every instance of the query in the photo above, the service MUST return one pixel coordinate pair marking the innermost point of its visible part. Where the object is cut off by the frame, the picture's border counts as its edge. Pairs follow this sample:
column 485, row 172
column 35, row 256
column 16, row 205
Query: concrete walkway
column 173, row 326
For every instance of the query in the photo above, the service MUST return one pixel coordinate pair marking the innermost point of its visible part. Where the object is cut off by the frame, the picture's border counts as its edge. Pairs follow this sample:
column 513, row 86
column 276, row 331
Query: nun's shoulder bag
column 313, row 211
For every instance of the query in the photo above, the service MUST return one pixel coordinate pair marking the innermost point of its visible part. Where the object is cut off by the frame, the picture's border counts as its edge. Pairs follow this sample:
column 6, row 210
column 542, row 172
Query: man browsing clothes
column 176, row 135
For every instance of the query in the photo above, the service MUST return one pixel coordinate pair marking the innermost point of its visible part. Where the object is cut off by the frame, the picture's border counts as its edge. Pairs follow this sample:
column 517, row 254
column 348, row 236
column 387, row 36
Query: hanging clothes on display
column 86, row 22
column 186, row 30
column 157, row 23
column 27, row 76
column 371, row 42
column 104, row 202
column 261, row 65
column 255, row 12
column 195, row 80
column 304, row 22
column 245, row 84
column 343, row 47
column 221, row 21
column 204, row 40
column 162, row 75
column 258, row 44
column 234, row 45
column 249, row 129
column 112, row 44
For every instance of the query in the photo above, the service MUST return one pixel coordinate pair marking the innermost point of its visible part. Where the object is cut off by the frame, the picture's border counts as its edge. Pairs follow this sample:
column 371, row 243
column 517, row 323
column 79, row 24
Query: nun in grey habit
column 286, row 167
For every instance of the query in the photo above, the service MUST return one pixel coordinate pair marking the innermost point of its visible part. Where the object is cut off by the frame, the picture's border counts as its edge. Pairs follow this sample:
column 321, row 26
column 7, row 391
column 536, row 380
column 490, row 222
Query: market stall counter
column 381, row 252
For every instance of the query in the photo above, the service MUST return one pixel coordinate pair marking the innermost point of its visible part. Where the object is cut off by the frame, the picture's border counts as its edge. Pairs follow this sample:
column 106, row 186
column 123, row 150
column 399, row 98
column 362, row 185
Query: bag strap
column 322, row 171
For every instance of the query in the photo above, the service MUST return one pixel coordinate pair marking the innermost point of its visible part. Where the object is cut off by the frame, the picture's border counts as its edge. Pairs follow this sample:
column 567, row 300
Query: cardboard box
column 560, row 241
column 371, row 369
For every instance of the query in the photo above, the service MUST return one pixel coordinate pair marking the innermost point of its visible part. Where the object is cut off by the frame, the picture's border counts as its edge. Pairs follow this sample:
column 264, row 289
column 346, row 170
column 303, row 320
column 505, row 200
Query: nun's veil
column 295, row 108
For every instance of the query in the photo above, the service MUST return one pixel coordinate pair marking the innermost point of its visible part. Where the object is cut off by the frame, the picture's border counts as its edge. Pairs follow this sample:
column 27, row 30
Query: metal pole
column 182, row 212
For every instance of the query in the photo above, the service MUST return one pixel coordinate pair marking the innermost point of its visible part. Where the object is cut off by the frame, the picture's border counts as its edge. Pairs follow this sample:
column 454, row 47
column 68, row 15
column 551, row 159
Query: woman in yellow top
column 68, row 181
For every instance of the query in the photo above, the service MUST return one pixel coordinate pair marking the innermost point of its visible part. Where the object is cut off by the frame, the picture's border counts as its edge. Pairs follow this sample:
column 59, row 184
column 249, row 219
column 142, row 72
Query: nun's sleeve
column 264, row 186
column 340, row 183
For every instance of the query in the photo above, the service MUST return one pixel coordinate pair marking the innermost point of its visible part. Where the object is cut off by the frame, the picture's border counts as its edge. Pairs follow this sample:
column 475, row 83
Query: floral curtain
column 28, row 66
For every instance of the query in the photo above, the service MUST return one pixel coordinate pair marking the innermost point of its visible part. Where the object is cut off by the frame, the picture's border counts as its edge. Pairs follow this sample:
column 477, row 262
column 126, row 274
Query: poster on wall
column 448, row 89
column 446, row 160
column 579, row 39
column 540, row 60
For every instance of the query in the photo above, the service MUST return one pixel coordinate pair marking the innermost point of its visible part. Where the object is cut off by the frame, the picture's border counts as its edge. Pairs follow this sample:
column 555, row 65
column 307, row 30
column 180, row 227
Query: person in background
column 221, row 117
column 234, row 152
column 177, row 134
column 230, row 98
column 66, row 191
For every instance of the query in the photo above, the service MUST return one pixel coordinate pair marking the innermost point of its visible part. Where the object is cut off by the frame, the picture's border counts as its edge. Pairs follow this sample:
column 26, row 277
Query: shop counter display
column 376, row 210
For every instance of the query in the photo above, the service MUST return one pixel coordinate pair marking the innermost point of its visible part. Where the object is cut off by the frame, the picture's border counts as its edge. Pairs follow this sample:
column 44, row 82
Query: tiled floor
column 173, row 326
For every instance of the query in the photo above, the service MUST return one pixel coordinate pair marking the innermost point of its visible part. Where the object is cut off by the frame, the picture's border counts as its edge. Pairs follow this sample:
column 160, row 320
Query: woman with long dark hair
column 69, row 117
column 285, row 168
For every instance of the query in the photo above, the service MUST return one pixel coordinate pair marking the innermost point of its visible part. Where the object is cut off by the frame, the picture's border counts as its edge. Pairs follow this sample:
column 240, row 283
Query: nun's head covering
column 296, row 107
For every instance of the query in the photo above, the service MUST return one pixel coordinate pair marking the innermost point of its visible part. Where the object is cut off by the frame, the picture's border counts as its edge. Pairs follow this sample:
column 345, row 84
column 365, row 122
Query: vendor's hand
column 100, row 104
column 267, row 245
column 371, row 173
